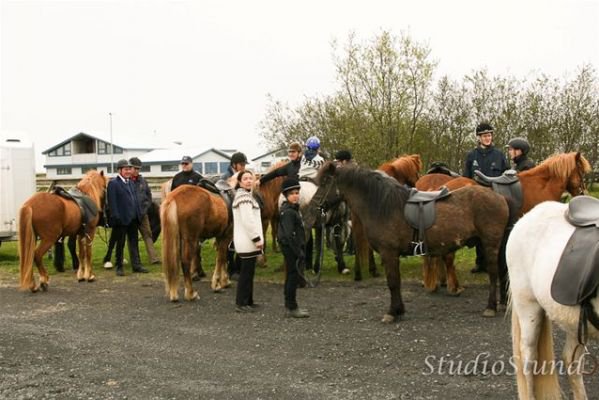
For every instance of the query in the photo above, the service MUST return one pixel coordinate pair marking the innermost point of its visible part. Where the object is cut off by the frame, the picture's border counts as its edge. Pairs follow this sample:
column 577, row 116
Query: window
column 265, row 164
column 145, row 168
column 52, row 153
column 63, row 171
column 223, row 166
column 169, row 167
column 198, row 167
column 67, row 149
column 211, row 168
column 85, row 170
column 117, row 150
column 103, row 147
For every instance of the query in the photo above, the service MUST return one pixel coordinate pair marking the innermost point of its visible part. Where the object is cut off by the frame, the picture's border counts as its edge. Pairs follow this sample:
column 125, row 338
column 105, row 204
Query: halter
column 582, row 188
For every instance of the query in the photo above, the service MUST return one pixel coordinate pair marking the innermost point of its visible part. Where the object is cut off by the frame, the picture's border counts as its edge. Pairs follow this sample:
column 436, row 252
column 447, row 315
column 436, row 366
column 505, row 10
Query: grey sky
column 199, row 71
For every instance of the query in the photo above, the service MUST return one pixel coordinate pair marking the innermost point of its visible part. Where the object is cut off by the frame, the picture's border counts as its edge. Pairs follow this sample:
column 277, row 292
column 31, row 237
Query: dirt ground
column 119, row 338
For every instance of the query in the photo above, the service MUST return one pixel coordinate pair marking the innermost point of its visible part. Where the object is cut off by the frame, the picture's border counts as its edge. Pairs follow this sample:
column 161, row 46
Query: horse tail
column 26, row 247
column 170, row 248
column 545, row 382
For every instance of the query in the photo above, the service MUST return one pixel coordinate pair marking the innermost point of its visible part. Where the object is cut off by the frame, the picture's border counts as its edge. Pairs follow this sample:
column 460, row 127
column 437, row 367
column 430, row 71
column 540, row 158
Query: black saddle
column 420, row 214
column 441, row 168
column 576, row 279
column 508, row 185
column 88, row 208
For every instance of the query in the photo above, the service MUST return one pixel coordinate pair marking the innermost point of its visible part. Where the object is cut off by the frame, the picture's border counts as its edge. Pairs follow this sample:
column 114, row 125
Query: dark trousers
column 291, row 278
column 128, row 232
column 245, row 283
column 233, row 261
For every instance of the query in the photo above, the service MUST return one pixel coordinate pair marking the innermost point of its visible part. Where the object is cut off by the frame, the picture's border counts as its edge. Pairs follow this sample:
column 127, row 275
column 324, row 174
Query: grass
column 410, row 266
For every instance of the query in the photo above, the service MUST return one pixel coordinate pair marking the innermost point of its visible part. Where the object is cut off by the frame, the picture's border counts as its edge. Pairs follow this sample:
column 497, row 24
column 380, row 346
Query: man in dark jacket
column 291, row 169
column 144, row 196
column 125, row 214
column 518, row 149
column 291, row 237
column 187, row 176
column 491, row 162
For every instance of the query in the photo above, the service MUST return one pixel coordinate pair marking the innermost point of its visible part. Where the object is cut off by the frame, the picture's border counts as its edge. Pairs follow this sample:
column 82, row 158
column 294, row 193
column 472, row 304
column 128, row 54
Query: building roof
column 268, row 154
column 127, row 143
column 175, row 154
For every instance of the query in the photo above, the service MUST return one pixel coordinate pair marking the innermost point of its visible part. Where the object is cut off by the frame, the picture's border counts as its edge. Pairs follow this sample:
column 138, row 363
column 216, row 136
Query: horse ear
column 102, row 172
column 329, row 168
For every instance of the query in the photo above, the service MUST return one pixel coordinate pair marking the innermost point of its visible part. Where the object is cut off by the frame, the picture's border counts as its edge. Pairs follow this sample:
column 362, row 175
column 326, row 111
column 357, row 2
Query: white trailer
column 17, row 180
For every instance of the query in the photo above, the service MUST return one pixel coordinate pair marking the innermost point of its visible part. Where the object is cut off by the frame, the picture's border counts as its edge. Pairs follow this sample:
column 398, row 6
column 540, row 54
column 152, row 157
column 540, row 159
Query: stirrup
column 418, row 248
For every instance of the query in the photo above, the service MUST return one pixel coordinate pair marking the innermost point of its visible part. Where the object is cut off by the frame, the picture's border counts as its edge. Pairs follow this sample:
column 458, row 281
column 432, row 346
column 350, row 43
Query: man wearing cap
column 291, row 169
column 491, row 162
column 238, row 163
column 187, row 176
column 144, row 196
column 291, row 237
column 518, row 149
column 125, row 214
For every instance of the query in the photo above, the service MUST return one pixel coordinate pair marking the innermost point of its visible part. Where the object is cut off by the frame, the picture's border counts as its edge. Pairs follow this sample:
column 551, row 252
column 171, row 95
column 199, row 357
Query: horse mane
column 88, row 185
column 405, row 169
column 560, row 166
column 384, row 195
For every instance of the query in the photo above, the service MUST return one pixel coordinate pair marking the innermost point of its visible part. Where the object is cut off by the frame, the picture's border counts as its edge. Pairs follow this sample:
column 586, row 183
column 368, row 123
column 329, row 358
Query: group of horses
column 471, row 214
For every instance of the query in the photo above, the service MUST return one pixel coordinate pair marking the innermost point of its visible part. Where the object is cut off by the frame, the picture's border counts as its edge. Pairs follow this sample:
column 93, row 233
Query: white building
column 264, row 162
column 73, row 157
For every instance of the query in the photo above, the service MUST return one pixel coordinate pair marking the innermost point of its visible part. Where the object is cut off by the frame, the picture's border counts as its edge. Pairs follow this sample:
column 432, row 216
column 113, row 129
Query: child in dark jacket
column 291, row 238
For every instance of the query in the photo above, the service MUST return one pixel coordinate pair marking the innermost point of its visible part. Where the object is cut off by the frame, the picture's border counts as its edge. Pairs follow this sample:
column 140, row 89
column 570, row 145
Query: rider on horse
column 311, row 161
column 290, row 169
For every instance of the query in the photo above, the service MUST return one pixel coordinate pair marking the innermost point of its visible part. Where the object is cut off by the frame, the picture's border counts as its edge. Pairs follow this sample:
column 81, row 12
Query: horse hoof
column 174, row 299
column 431, row 290
column 91, row 279
column 44, row 286
column 456, row 292
column 488, row 313
column 80, row 279
column 194, row 296
column 388, row 319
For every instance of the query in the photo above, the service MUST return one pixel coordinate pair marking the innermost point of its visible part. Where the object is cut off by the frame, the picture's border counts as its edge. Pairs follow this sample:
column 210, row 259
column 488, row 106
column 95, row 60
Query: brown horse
column 406, row 170
column 548, row 181
column 191, row 214
column 270, row 192
column 50, row 217
column 469, row 215
column 432, row 267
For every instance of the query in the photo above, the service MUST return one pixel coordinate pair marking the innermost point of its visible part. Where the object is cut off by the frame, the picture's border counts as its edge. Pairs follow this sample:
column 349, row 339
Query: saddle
column 440, row 168
column 88, row 208
column 508, row 185
column 420, row 214
column 576, row 279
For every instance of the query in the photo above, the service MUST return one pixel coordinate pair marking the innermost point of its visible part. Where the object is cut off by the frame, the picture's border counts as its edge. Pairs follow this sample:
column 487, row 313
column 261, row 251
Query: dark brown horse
column 406, row 170
column 270, row 192
column 548, row 181
column 50, row 217
column 188, row 215
column 469, row 215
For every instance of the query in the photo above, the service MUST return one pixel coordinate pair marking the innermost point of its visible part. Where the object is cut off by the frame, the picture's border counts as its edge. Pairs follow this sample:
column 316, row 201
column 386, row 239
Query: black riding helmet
column 238, row 158
column 519, row 143
column 484, row 127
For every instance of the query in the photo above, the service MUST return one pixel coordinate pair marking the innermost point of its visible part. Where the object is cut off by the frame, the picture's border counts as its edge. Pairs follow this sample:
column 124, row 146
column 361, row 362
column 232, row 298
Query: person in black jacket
column 291, row 237
column 291, row 169
column 144, row 196
column 125, row 214
column 518, row 149
column 187, row 176
column 491, row 162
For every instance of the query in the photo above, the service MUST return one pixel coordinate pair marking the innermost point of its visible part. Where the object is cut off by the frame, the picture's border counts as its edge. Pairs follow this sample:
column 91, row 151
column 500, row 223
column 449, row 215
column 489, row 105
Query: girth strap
column 587, row 313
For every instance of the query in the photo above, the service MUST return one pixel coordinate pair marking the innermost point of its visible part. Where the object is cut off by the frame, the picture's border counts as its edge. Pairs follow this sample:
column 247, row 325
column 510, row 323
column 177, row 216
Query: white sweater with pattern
column 247, row 224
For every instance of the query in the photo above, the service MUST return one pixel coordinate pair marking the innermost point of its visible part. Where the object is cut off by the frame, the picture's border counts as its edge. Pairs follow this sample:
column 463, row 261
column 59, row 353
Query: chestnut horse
column 548, row 181
column 191, row 214
column 469, row 215
column 405, row 169
column 270, row 192
column 50, row 217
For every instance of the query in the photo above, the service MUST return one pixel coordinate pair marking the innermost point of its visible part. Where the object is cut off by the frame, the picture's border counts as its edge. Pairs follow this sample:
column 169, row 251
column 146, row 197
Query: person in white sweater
column 311, row 161
column 248, row 239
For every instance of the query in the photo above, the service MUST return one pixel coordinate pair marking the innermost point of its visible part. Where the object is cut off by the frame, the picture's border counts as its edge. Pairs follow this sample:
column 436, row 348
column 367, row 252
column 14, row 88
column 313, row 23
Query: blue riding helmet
column 313, row 143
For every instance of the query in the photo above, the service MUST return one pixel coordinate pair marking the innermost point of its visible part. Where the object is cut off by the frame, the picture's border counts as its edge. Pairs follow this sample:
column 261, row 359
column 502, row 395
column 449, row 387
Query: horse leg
column 502, row 271
column 573, row 357
column 188, row 254
column 89, row 274
column 274, row 230
column 338, row 242
column 318, row 244
column 81, row 272
column 390, row 260
column 453, row 286
column 220, row 277
column 38, row 258
column 72, row 245
column 371, row 263
column 491, row 255
column 59, row 255
column 429, row 273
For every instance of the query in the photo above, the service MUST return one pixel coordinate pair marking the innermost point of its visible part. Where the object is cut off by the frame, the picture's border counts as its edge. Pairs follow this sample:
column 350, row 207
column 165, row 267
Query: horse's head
column 575, row 184
column 326, row 194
